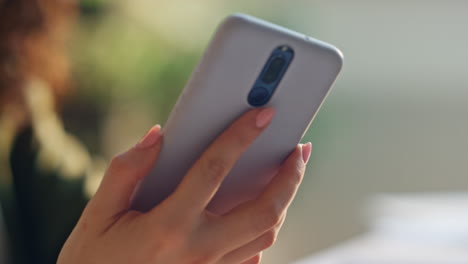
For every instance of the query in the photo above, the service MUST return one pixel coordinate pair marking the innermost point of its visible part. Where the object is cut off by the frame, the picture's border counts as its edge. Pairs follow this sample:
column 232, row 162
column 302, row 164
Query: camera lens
column 258, row 96
column 270, row 76
column 273, row 71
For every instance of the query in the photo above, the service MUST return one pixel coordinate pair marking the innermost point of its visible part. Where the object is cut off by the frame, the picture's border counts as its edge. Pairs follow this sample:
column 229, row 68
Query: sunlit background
column 396, row 120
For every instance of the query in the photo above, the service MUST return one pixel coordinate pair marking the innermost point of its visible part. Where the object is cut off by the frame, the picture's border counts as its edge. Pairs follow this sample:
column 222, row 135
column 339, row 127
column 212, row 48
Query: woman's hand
column 180, row 229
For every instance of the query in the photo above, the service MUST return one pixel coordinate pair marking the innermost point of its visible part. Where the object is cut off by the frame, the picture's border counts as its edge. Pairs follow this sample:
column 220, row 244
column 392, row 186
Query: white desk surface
column 408, row 229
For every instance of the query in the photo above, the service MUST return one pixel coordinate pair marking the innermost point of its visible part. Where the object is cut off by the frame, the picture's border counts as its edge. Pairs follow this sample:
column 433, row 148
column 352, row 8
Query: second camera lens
column 273, row 71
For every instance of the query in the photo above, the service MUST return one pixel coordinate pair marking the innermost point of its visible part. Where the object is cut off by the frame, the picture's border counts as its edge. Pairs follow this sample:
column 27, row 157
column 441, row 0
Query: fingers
column 123, row 174
column 204, row 178
column 250, row 220
column 248, row 252
column 254, row 260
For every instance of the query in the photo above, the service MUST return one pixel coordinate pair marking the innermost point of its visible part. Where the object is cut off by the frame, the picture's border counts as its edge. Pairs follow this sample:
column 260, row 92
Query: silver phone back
column 216, row 95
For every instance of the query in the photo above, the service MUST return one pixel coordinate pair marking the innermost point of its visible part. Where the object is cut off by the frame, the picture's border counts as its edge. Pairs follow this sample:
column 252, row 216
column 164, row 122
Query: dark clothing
column 40, row 207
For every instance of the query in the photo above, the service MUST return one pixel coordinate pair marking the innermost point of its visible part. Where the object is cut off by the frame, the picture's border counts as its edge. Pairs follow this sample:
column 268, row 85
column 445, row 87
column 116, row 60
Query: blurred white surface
column 409, row 229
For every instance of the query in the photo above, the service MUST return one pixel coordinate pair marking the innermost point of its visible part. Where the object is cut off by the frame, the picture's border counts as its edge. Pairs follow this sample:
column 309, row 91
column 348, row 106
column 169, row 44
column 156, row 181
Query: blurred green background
column 396, row 120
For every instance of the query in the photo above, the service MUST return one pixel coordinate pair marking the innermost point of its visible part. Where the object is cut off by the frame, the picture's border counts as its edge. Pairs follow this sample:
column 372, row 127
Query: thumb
column 124, row 173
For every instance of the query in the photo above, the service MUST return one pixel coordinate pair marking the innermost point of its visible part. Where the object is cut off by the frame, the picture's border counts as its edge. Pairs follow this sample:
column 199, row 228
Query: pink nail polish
column 150, row 138
column 306, row 150
column 264, row 117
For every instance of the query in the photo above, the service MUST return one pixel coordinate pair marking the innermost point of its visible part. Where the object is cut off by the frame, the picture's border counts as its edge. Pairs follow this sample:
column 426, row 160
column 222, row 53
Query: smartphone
column 249, row 63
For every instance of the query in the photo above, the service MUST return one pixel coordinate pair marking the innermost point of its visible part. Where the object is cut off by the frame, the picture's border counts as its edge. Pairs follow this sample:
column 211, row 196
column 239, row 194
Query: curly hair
column 33, row 44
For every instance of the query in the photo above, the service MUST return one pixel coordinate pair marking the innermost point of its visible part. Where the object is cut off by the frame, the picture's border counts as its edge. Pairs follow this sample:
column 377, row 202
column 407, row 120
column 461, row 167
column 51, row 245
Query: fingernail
column 264, row 117
column 150, row 138
column 306, row 149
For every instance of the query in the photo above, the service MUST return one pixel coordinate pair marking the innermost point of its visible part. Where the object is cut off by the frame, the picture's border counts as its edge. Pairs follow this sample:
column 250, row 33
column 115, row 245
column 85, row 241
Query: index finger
column 206, row 175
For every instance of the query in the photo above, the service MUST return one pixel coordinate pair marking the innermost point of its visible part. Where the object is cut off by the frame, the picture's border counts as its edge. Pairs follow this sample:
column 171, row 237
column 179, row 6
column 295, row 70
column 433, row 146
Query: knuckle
column 119, row 163
column 269, row 239
column 244, row 138
column 268, row 218
column 215, row 169
column 297, row 175
column 278, row 225
column 173, row 241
